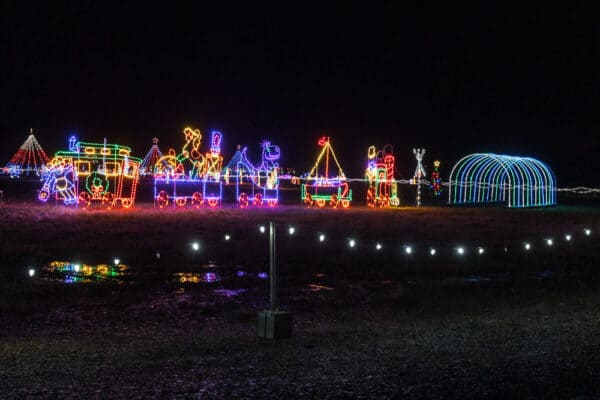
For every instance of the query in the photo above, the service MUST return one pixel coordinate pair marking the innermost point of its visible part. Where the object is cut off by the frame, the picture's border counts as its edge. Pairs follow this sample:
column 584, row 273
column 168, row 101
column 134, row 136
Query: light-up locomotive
column 92, row 173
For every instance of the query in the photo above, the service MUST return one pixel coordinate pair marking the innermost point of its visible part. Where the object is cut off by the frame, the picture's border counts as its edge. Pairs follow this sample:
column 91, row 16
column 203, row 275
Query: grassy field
column 367, row 323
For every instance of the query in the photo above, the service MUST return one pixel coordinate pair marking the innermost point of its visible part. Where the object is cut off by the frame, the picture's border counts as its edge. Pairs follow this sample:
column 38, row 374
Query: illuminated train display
column 107, row 175
column 92, row 173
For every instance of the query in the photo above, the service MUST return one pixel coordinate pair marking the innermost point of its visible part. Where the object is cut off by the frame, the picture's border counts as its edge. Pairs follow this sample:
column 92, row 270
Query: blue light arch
column 494, row 178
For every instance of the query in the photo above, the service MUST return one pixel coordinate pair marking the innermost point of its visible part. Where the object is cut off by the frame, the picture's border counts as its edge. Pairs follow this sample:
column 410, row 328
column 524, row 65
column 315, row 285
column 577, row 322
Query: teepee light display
column 148, row 163
column 29, row 159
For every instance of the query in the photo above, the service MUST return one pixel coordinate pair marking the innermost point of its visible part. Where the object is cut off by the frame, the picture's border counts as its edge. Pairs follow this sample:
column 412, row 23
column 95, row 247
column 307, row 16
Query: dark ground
column 367, row 324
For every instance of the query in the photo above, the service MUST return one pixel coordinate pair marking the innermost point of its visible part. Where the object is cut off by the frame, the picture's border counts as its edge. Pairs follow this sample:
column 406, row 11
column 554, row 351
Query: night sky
column 454, row 80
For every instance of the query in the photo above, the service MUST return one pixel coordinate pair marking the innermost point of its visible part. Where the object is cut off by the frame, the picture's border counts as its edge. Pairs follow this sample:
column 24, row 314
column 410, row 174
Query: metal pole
column 272, row 265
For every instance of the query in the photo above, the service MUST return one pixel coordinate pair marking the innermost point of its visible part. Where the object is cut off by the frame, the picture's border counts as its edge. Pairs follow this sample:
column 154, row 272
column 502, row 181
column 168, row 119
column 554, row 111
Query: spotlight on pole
column 378, row 246
column 351, row 243
column 549, row 242
column 31, row 272
column 432, row 251
column 408, row 249
column 196, row 246
column 480, row 250
column 460, row 250
column 568, row 237
column 291, row 230
column 587, row 231
column 262, row 229
column 227, row 237
column 321, row 237
column 527, row 246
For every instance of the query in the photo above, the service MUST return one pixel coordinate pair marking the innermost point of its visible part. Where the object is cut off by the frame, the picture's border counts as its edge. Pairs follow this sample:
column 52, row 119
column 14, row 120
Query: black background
column 453, row 79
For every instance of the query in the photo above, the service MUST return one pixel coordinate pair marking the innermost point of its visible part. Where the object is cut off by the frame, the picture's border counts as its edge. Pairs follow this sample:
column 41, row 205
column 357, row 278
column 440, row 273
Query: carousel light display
column 190, row 177
column 319, row 188
column 30, row 158
column 382, row 188
column 488, row 178
column 89, row 173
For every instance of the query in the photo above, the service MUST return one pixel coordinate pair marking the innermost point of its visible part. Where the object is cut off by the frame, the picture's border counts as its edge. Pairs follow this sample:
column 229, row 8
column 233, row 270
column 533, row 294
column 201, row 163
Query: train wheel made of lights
column 162, row 199
column 243, row 200
column 181, row 201
column 197, row 199
column 126, row 203
column 272, row 203
column 258, row 200
column 320, row 202
column 108, row 199
column 371, row 197
column 333, row 200
column 84, row 198
column 345, row 203
column 308, row 201
column 213, row 202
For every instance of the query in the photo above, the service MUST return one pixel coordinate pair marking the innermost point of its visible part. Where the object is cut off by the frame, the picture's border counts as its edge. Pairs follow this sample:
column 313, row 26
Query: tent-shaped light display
column 488, row 178
column 151, row 158
column 29, row 159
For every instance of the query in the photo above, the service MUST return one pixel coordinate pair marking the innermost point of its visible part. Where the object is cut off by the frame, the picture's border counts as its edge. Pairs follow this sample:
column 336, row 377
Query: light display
column 320, row 188
column 419, row 172
column 92, row 172
column 190, row 177
column 489, row 178
column 29, row 159
column 256, row 185
column 382, row 190
column 436, row 181
column 151, row 158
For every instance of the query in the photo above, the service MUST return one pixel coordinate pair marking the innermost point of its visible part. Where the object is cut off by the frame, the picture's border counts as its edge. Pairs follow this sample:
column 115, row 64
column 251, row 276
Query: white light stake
column 117, row 261
column 432, row 252
column 408, row 249
column 291, row 230
column 262, row 229
column 568, row 237
column 527, row 246
column 31, row 272
column 227, row 237
column 76, row 267
column 196, row 246
column 587, row 231
column 378, row 246
column 321, row 238
column 549, row 242
column 481, row 250
column 460, row 251
column 351, row 243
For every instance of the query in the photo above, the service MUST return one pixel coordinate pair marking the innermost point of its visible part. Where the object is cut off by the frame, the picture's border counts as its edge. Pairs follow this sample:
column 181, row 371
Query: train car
column 382, row 190
column 92, row 173
column 255, row 185
column 190, row 178
column 321, row 189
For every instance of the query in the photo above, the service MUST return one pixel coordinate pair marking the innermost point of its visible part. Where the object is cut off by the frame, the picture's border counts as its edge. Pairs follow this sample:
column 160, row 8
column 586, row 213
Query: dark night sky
column 455, row 80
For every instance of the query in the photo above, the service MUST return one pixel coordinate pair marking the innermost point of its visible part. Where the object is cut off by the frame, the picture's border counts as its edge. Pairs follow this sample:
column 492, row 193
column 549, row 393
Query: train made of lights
column 107, row 175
